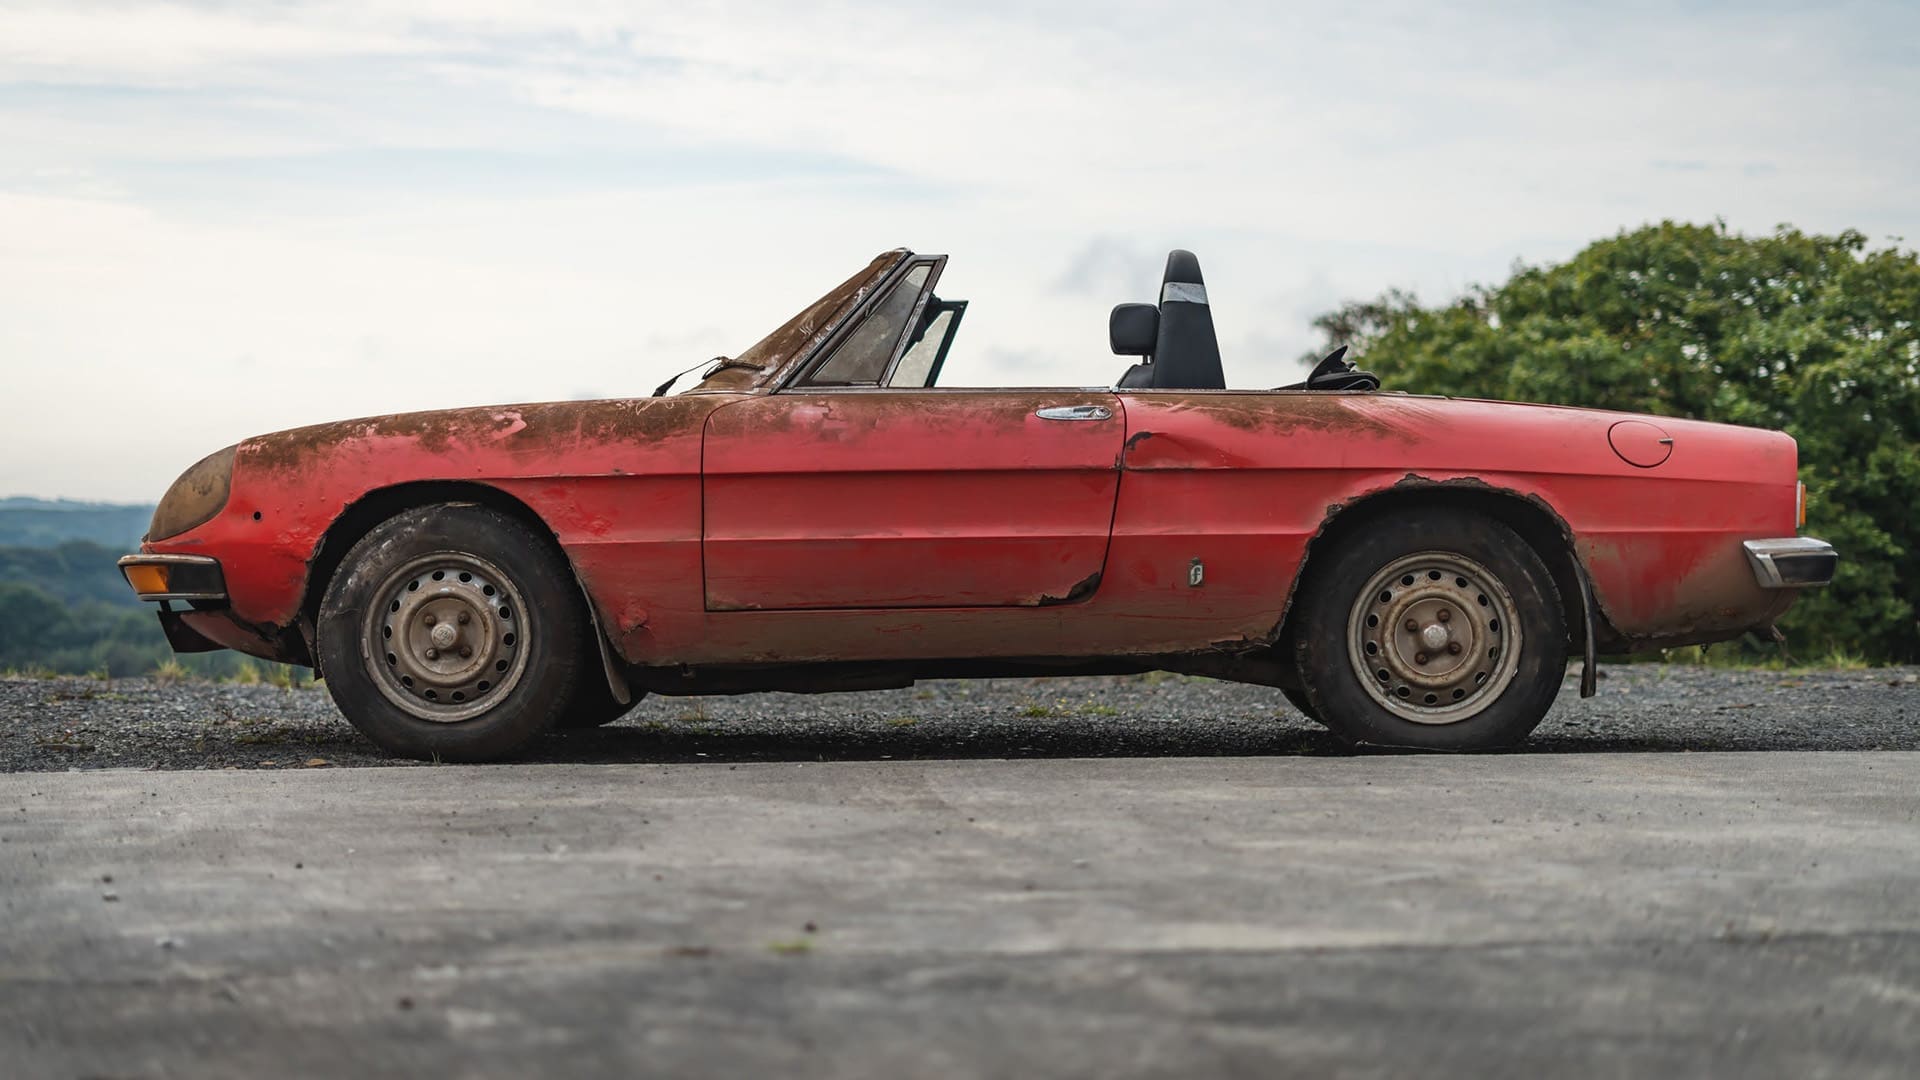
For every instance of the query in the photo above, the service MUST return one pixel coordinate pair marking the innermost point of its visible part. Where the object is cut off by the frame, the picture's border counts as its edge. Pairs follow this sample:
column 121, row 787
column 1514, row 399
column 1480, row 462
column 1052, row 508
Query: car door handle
column 1074, row 412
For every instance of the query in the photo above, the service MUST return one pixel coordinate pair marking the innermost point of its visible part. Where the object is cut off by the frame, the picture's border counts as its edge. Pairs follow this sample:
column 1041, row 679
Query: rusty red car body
column 756, row 533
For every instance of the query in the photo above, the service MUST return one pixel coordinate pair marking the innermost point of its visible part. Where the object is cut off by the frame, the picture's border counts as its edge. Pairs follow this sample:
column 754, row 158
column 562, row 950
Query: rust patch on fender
column 1285, row 412
column 1599, row 618
column 552, row 425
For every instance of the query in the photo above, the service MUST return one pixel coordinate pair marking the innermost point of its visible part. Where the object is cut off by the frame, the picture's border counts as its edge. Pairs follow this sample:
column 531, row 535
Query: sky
column 224, row 218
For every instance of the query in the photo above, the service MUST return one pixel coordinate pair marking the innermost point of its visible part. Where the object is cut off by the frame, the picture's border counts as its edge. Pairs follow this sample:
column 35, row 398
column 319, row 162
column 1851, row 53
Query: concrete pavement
column 1729, row 914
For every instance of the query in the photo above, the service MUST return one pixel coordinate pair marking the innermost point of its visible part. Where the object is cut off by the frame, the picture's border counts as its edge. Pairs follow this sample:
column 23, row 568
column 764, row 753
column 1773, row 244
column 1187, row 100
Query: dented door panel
column 908, row 499
column 1662, row 548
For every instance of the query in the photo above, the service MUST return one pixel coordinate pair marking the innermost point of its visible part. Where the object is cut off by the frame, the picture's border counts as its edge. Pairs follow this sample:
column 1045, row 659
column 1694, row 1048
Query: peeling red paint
column 746, row 527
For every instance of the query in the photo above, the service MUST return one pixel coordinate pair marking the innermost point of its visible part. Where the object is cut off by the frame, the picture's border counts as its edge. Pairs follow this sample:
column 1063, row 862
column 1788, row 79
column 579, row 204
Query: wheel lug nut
column 1420, row 658
column 1453, row 647
column 467, row 650
column 1445, row 614
column 1413, row 626
column 429, row 620
column 433, row 654
column 465, row 618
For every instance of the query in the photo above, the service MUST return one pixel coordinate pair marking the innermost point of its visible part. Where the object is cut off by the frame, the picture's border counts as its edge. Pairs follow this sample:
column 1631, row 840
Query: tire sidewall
column 551, row 636
column 1322, row 649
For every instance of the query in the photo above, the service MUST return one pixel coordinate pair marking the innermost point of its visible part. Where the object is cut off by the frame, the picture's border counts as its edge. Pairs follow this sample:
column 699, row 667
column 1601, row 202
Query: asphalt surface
column 134, row 723
column 1182, row 877
column 1590, row 914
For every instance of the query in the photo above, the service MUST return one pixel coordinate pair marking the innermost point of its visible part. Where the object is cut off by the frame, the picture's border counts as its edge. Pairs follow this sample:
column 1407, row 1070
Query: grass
column 902, row 721
column 1836, row 658
column 796, row 947
column 1842, row 660
column 169, row 672
column 256, row 672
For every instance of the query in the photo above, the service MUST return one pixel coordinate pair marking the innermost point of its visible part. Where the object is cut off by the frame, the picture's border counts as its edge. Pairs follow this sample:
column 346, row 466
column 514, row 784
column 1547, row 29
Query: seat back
column 1186, row 354
column 1132, row 330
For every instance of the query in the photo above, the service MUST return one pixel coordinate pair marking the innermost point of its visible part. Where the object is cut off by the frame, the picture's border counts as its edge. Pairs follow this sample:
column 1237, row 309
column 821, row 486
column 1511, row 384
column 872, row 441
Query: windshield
column 803, row 331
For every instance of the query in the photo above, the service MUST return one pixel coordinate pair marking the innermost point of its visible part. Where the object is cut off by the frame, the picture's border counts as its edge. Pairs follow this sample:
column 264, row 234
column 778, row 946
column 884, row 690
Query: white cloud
column 302, row 211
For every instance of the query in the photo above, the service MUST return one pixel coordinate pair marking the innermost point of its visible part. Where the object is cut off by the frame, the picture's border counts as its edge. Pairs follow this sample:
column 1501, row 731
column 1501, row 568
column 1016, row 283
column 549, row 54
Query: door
column 909, row 498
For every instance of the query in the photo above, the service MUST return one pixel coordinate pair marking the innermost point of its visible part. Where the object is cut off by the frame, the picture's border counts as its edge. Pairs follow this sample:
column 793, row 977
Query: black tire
column 1395, row 598
column 593, row 702
column 1298, row 699
column 523, row 635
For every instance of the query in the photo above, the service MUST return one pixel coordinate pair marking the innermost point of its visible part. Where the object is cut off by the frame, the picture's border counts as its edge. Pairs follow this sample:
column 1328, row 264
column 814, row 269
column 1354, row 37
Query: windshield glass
column 804, row 330
column 862, row 357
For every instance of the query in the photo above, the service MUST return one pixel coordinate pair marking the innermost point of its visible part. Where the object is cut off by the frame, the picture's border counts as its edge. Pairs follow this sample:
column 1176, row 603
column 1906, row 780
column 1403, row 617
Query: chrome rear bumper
column 1793, row 562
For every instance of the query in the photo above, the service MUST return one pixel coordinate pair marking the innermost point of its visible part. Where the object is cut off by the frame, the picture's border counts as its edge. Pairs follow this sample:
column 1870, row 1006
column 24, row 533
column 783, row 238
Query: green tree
column 1812, row 334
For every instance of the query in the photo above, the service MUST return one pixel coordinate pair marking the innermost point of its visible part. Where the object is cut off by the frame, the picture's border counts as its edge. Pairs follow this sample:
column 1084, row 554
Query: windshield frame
column 798, row 339
column 796, row 374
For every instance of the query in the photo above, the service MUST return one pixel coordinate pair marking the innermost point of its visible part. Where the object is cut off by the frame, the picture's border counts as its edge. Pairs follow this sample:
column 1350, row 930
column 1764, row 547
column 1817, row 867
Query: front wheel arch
column 367, row 513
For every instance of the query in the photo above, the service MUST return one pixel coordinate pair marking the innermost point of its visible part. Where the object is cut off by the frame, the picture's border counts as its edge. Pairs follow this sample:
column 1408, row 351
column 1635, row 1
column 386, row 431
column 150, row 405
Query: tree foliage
column 67, row 610
column 1815, row 335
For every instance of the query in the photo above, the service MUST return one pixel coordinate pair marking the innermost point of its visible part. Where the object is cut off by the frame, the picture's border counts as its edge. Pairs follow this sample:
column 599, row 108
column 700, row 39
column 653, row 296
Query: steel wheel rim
column 447, row 638
column 1434, row 637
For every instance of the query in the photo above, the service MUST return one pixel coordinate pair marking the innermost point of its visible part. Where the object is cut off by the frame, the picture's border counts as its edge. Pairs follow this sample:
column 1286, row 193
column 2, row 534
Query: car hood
column 526, row 431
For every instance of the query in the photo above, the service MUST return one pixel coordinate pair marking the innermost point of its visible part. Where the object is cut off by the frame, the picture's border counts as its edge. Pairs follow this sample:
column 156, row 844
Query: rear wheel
column 1445, row 633
column 452, row 632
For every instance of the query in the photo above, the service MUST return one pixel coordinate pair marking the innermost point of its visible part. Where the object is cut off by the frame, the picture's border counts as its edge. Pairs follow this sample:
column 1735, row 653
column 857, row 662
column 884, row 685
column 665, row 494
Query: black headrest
column 1133, row 329
column 1186, row 355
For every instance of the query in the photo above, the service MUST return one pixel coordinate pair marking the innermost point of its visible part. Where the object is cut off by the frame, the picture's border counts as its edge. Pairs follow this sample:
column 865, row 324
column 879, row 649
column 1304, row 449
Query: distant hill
column 73, row 573
column 51, row 522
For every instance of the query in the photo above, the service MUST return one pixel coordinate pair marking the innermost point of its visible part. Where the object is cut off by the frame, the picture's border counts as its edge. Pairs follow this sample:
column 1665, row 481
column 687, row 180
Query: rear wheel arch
column 366, row 513
column 1537, row 523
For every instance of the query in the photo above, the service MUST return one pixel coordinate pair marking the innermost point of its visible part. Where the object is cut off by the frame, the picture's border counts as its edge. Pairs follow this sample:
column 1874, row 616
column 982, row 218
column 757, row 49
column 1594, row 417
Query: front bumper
column 1793, row 562
column 194, row 578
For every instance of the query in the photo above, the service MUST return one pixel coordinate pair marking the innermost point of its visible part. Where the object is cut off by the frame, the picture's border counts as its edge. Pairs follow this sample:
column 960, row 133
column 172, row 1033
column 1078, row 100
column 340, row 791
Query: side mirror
column 1133, row 329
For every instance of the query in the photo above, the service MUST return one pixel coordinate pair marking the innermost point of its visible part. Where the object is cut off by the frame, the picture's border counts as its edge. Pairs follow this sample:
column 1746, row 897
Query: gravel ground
column 58, row 724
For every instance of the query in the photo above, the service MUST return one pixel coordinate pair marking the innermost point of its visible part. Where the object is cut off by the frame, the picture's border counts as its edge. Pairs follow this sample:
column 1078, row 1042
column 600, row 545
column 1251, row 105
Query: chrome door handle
column 1074, row 412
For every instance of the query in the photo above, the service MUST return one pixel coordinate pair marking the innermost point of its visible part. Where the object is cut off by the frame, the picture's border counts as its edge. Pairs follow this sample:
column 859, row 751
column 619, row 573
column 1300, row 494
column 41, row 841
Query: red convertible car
column 817, row 514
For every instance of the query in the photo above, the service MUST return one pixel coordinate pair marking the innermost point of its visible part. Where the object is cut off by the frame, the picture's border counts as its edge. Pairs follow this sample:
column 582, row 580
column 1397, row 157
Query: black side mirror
column 1133, row 329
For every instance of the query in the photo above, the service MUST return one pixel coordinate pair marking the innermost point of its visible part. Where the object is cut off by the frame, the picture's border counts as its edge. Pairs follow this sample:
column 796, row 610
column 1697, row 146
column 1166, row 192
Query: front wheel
column 1443, row 633
column 452, row 632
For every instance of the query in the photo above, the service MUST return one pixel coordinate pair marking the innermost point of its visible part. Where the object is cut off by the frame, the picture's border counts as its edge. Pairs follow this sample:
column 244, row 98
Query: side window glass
column 920, row 365
column 862, row 355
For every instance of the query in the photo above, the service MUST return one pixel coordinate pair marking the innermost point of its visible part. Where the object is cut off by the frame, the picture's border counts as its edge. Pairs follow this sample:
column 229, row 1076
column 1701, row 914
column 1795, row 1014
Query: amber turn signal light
column 1800, row 506
column 147, row 578
column 175, row 577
